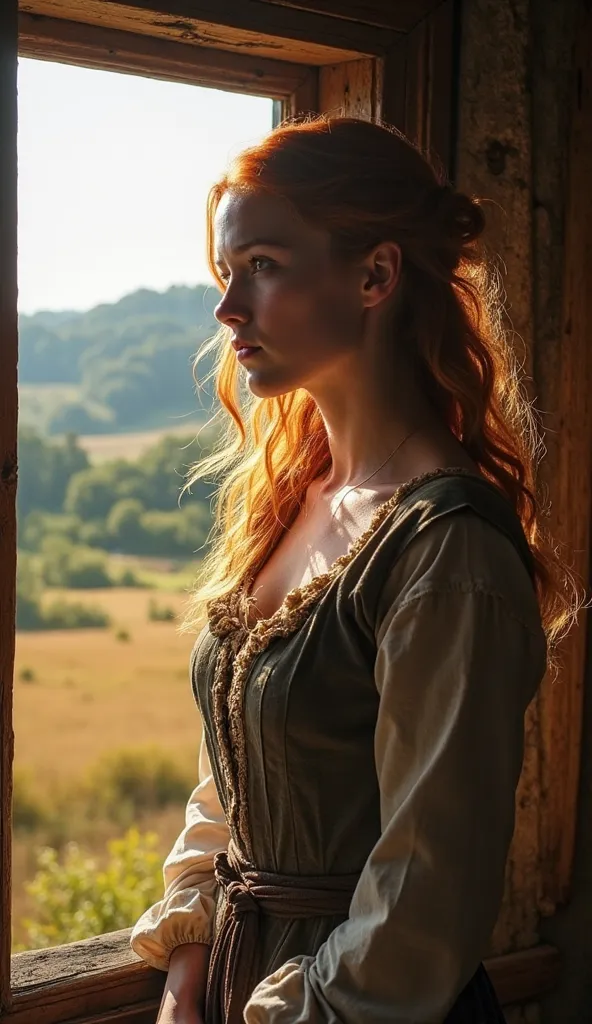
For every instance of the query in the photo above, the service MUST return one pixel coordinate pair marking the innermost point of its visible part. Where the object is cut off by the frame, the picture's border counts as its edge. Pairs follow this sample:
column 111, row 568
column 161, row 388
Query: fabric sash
column 250, row 893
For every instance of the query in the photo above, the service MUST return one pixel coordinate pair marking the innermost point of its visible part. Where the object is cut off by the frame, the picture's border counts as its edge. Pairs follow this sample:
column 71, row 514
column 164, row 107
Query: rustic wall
column 571, row 928
column 518, row 83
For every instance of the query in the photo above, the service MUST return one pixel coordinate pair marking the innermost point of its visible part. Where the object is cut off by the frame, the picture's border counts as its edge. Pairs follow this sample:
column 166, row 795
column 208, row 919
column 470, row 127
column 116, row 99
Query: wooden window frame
column 394, row 61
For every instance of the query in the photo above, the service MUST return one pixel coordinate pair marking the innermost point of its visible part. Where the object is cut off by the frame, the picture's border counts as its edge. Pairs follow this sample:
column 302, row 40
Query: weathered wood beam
column 8, row 466
column 419, row 82
column 563, row 370
column 104, row 977
column 108, row 49
column 400, row 15
column 245, row 26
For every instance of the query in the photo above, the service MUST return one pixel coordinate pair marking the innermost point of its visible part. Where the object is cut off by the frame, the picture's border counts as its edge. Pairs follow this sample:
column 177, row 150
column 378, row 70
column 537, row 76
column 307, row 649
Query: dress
column 369, row 734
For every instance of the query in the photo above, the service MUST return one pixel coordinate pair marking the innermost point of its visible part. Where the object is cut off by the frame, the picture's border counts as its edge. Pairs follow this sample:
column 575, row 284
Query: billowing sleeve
column 455, row 669
column 185, row 913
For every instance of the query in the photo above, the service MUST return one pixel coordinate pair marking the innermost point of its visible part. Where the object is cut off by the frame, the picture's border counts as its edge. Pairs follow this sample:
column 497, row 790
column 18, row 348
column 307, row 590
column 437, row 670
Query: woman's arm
column 455, row 670
column 183, row 999
column 185, row 913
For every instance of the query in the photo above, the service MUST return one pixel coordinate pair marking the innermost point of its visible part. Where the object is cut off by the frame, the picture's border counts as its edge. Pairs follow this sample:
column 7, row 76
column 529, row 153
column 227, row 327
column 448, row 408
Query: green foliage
column 45, row 471
column 73, row 566
column 131, row 359
column 123, row 525
column 38, row 525
column 128, row 783
column 62, row 614
column 122, row 636
column 31, row 613
column 160, row 612
column 122, row 786
column 121, row 506
column 74, row 897
column 27, row 675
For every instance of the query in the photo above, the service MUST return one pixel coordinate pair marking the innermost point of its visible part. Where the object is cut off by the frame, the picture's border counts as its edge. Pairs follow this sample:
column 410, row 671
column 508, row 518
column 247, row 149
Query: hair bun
column 462, row 215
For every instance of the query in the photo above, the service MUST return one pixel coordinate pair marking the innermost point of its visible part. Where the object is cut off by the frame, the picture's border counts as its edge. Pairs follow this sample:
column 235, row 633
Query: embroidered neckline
column 240, row 645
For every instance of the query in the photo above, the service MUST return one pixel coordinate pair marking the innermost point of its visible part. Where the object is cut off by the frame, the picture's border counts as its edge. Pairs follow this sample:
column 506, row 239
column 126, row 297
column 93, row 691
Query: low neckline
column 240, row 598
column 239, row 645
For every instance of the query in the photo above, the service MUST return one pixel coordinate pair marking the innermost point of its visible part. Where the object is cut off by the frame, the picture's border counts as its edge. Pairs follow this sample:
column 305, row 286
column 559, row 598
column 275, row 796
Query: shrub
column 27, row 675
column 73, row 566
column 128, row 578
column 76, row 898
column 122, row 635
column 126, row 783
column 123, row 526
column 74, row 615
column 160, row 612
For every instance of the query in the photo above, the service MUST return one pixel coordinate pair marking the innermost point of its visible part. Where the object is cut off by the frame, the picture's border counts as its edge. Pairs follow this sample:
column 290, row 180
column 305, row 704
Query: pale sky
column 113, row 176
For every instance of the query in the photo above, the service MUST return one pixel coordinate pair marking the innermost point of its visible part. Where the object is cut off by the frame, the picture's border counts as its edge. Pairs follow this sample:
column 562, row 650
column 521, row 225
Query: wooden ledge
column 109, row 49
column 244, row 26
column 102, row 980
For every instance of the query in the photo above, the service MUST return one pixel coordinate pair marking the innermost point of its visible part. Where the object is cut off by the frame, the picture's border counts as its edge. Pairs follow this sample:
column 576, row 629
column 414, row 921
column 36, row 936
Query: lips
column 237, row 344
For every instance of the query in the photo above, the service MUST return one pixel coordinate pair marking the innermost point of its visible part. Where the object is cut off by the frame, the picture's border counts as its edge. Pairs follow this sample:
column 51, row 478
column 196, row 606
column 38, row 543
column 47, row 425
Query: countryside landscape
column 106, row 730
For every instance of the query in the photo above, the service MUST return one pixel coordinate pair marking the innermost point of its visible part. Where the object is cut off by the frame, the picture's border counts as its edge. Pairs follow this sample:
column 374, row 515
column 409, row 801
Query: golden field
column 90, row 693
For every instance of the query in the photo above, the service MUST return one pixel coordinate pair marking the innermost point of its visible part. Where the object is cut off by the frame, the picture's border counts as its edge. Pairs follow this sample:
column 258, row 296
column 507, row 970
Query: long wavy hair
column 365, row 183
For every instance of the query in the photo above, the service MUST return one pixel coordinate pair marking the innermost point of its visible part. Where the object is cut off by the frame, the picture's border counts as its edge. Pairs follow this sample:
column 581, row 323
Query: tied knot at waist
column 250, row 893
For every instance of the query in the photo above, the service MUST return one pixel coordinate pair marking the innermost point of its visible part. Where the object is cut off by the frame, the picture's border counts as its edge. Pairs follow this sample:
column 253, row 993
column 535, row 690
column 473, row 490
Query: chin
column 270, row 385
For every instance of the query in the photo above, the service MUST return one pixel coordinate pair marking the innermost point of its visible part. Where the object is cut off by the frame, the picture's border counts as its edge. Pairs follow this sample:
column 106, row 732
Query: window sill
column 102, row 980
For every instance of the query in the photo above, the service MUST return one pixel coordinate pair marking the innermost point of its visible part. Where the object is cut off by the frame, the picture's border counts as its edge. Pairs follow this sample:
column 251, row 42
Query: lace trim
column 240, row 645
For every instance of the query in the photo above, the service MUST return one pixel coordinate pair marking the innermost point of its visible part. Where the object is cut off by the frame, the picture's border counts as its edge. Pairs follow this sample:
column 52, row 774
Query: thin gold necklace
column 365, row 480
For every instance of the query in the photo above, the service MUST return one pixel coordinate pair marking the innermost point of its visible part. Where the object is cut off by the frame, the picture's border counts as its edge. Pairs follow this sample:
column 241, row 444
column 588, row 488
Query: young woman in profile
column 379, row 602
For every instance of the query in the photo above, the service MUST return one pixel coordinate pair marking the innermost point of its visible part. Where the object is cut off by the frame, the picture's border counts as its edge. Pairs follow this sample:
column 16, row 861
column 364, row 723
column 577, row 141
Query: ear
column 381, row 270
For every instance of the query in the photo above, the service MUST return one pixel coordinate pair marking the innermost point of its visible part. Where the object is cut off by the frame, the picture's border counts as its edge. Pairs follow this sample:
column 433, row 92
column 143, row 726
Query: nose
column 230, row 311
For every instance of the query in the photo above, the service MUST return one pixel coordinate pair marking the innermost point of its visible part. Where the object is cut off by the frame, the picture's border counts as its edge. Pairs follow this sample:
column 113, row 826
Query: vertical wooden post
column 8, row 413
column 564, row 383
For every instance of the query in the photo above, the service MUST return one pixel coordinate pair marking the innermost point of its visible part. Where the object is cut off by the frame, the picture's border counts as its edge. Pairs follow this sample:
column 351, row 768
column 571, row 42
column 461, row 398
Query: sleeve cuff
column 184, row 917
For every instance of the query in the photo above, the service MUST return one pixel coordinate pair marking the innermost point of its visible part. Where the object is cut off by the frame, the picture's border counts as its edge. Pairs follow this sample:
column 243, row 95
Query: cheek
column 313, row 313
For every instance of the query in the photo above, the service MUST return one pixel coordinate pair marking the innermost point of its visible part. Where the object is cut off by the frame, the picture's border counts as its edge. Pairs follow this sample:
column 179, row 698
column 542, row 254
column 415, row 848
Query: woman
column 379, row 602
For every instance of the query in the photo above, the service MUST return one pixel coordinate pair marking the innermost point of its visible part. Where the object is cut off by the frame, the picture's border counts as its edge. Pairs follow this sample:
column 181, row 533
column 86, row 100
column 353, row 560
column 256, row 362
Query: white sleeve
column 455, row 671
column 186, row 911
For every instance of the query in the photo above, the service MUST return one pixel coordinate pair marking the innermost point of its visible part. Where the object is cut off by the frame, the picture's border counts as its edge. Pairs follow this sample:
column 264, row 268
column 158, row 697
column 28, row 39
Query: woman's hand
column 184, row 993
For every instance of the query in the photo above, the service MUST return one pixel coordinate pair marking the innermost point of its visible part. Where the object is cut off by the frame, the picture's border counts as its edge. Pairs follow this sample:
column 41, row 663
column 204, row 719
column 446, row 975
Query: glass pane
column 113, row 302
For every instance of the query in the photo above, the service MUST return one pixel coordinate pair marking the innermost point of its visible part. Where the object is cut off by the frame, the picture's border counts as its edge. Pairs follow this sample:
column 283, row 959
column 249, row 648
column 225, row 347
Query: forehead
column 242, row 218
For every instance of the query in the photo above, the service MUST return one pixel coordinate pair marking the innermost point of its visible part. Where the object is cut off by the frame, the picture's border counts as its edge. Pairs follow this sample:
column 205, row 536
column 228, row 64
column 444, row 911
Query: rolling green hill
column 123, row 366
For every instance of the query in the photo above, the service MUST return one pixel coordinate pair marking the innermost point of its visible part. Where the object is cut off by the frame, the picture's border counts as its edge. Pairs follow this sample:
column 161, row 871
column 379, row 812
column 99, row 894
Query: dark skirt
column 477, row 1003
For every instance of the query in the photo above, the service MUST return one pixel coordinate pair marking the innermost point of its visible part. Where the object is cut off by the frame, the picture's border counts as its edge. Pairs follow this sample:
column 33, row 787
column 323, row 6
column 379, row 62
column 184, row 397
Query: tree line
column 130, row 360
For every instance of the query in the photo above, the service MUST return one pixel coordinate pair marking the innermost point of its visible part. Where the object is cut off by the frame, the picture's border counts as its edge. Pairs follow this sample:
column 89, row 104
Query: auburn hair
column 365, row 183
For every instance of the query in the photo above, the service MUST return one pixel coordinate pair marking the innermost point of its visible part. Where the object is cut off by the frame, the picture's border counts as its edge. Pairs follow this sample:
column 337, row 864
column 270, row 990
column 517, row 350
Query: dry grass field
column 90, row 693
column 102, row 447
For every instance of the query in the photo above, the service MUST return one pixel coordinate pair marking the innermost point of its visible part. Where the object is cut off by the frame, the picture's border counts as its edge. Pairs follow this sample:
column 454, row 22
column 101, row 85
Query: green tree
column 45, row 471
column 72, row 565
column 124, row 526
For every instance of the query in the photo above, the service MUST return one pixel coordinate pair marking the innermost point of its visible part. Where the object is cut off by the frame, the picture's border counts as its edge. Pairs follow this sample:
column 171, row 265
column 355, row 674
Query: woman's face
column 284, row 292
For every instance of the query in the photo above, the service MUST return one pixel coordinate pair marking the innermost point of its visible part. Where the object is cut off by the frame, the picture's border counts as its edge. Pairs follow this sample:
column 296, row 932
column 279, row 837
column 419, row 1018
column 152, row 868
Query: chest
column 308, row 549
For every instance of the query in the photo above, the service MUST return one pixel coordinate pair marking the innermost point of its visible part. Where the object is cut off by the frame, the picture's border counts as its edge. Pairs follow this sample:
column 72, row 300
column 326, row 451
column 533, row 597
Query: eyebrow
column 272, row 243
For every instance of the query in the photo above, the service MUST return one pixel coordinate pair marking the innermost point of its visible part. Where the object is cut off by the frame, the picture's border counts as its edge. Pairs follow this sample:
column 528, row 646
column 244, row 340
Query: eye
column 224, row 275
column 259, row 263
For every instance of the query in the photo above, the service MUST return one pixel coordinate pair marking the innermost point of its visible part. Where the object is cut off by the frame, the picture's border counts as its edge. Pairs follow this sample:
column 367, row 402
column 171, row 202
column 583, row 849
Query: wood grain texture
column 349, row 89
column 494, row 161
column 564, row 383
column 72, row 42
column 400, row 15
column 512, row 151
column 8, row 464
column 418, row 92
column 103, row 976
column 245, row 26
